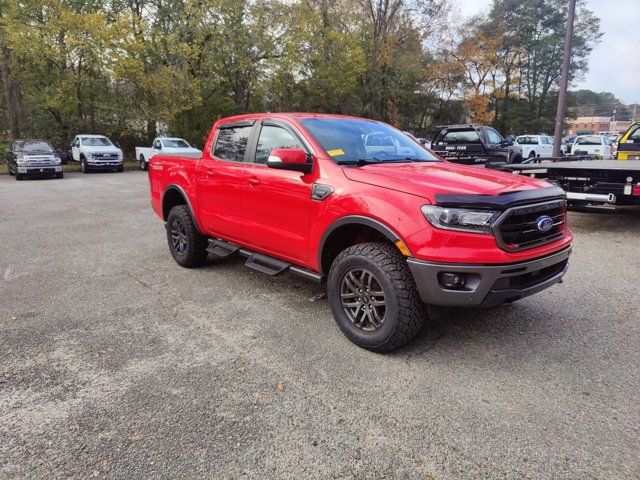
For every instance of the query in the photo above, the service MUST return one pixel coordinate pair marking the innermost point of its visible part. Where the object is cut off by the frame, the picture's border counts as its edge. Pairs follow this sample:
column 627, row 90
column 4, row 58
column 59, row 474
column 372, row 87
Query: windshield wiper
column 360, row 162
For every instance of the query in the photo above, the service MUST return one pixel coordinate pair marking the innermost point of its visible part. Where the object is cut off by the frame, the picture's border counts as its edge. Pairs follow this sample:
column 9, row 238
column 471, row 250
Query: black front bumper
column 488, row 285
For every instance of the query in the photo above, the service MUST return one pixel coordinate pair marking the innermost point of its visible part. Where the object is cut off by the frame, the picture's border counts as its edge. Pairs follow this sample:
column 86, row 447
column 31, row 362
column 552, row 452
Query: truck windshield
column 351, row 140
column 174, row 143
column 96, row 142
column 35, row 146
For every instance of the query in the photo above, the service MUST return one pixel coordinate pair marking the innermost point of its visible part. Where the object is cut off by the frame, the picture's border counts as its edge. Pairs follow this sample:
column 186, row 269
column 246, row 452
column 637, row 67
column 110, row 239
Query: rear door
column 277, row 202
column 221, row 180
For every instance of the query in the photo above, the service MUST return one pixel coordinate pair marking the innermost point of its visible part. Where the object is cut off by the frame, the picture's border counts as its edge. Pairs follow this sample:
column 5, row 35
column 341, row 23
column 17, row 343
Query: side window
column 231, row 143
column 272, row 137
column 635, row 136
column 76, row 142
column 157, row 145
column 494, row 137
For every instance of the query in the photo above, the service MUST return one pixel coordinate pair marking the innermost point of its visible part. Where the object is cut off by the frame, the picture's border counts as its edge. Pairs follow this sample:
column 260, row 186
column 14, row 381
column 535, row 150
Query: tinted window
column 231, row 143
column 635, row 135
column 452, row 137
column 271, row 138
column 156, row 145
column 527, row 140
column 589, row 140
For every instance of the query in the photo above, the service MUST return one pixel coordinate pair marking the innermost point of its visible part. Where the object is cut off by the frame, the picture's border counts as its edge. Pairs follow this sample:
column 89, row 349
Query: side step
column 261, row 262
column 221, row 249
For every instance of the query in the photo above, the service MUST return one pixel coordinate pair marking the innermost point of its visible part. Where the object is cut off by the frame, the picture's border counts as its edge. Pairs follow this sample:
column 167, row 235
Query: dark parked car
column 28, row 158
column 473, row 144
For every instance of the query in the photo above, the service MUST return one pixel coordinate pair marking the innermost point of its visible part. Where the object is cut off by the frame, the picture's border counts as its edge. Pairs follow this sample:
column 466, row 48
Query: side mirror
column 72, row 144
column 8, row 151
column 117, row 144
column 289, row 159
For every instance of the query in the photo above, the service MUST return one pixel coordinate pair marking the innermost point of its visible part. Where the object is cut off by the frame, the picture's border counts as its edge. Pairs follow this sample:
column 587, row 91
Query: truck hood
column 427, row 179
column 102, row 149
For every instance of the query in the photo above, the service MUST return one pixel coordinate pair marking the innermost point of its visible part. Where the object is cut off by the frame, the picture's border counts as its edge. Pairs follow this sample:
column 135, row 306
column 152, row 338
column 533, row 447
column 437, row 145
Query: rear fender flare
column 177, row 188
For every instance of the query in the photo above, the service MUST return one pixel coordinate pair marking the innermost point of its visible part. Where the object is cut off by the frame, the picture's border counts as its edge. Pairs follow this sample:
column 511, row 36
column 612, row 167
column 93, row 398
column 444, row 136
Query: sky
column 614, row 64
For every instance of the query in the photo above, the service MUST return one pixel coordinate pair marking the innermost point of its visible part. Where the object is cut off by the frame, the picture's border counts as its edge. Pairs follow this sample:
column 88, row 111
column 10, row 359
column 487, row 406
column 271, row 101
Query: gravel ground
column 115, row 362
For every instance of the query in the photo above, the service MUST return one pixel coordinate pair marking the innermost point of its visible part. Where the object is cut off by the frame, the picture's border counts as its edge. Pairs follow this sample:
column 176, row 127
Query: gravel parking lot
column 115, row 362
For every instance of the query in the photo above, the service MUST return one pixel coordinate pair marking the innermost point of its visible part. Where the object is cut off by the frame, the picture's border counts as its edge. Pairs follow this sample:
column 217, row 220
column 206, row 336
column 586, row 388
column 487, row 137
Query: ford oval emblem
column 545, row 223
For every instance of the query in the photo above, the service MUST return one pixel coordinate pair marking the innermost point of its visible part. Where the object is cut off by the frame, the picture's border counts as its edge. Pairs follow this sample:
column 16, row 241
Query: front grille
column 39, row 160
column 517, row 228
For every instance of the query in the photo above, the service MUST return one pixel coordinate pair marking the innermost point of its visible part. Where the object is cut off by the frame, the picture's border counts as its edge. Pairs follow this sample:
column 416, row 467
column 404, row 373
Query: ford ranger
column 392, row 229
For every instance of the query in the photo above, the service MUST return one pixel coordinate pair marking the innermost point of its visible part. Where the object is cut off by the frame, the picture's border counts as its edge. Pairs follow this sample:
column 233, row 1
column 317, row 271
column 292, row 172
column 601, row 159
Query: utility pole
column 564, row 80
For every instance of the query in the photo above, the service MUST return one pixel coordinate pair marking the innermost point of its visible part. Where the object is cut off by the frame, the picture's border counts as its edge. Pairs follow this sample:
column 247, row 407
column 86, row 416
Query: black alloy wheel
column 363, row 299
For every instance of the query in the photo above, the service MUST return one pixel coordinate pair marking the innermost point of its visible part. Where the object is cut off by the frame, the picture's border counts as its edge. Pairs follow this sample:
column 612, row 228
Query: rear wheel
column 143, row 164
column 59, row 175
column 188, row 246
column 374, row 298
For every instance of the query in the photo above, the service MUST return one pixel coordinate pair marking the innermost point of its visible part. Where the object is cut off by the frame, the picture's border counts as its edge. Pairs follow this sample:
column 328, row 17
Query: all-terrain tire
column 195, row 244
column 404, row 311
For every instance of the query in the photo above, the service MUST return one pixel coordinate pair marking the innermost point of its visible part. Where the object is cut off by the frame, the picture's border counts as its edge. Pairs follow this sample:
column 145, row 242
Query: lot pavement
column 115, row 362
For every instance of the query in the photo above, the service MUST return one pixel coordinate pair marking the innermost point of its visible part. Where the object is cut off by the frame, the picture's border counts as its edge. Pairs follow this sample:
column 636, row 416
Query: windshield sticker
column 335, row 153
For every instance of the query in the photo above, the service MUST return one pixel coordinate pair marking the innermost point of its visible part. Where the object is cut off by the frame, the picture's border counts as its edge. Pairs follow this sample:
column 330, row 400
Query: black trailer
column 588, row 182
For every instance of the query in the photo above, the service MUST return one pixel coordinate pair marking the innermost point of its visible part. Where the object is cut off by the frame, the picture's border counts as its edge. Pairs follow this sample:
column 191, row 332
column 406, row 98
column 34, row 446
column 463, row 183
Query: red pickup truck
column 391, row 227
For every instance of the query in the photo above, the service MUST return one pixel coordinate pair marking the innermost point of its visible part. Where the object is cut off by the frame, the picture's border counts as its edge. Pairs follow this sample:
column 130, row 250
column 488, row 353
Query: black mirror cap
column 303, row 168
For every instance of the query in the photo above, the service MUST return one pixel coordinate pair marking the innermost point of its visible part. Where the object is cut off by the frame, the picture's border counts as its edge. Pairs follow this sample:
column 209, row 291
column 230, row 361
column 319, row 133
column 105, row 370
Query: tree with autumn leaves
column 124, row 67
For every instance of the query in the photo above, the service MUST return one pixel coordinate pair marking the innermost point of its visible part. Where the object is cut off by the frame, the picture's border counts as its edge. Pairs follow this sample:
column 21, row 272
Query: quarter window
column 272, row 137
column 231, row 143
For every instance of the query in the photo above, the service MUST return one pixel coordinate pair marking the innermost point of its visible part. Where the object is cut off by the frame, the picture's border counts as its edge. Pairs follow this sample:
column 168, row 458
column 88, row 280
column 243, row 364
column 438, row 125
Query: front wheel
column 83, row 166
column 59, row 175
column 374, row 298
column 188, row 246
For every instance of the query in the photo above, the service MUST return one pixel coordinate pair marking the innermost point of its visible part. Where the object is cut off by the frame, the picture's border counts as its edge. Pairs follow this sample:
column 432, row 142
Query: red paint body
column 271, row 210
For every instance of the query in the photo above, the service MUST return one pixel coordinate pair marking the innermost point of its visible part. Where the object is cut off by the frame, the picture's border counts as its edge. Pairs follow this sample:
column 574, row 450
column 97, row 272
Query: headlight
column 56, row 160
column 462, row 219
column 20, row 160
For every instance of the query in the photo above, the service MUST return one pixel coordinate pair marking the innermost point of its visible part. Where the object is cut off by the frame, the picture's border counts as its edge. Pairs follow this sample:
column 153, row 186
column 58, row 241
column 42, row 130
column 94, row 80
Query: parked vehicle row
column 393, row 230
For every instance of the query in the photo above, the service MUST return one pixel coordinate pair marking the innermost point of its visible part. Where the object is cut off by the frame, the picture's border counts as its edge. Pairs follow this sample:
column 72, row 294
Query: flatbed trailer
column 587, row 182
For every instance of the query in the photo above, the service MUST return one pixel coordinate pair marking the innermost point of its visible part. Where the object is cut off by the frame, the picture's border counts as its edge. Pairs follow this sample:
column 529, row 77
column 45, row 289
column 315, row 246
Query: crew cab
column 473, row 144
column 392, row 232
column 96, row 152
column 535, row 146
column 168, row 146
column 28, row 158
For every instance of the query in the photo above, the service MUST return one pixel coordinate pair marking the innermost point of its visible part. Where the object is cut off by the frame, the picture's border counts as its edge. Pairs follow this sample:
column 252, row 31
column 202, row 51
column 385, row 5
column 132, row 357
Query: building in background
column 582, row 125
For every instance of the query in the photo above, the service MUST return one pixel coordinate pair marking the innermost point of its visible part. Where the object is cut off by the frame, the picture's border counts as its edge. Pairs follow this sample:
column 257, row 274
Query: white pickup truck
column 96, row 152
column 168, row 146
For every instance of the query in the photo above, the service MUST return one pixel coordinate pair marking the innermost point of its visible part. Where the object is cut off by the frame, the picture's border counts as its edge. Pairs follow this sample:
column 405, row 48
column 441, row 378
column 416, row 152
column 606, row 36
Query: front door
column 221, row 181
column 277, row 202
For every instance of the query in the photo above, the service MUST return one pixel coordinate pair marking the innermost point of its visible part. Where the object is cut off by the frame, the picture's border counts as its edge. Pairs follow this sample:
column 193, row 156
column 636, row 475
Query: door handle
column 254, row 182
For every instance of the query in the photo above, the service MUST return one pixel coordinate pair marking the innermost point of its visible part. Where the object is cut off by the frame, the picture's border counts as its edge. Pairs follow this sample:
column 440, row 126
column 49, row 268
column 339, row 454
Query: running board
column 261, row 262
column 221, row 249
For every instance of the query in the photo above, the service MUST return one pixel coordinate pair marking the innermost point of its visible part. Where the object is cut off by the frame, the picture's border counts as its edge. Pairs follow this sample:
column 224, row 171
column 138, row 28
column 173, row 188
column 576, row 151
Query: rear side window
column 452, row 137
column 272, row 137
column 231, row 143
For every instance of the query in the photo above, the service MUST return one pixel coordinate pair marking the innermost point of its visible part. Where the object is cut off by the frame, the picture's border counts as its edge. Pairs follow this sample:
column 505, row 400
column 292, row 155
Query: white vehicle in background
column 593, row 145
column 167, row 146
column 96, row 152
column 534, row 146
